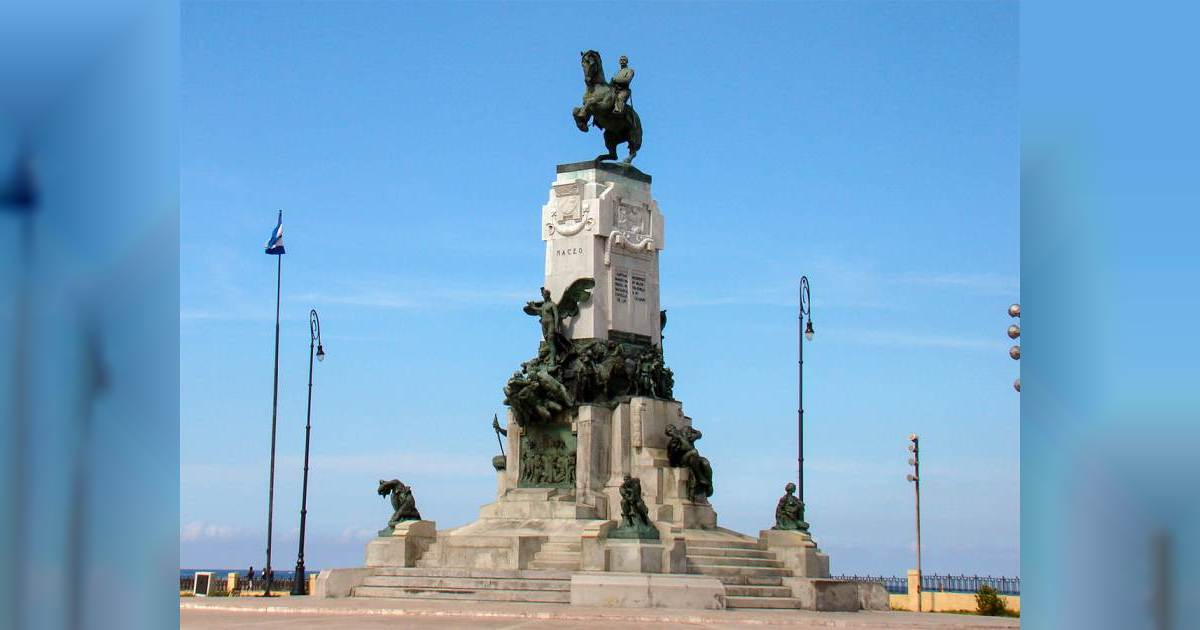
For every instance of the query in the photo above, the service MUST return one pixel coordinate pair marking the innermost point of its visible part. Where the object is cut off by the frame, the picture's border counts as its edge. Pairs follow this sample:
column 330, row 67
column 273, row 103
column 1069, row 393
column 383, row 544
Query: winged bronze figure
column 551, row 314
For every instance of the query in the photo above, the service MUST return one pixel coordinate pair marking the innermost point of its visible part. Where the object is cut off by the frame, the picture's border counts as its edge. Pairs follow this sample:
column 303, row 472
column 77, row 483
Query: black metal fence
column 970, row 583
column 943, row 583
column 897, row 585
column 220, row 584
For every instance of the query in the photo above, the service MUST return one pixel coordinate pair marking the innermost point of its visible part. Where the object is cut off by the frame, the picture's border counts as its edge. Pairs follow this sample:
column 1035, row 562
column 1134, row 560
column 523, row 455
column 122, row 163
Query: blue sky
column 871, row 146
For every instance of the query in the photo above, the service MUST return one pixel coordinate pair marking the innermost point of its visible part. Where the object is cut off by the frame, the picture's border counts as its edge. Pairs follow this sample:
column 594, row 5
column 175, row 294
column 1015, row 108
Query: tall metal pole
column 805, row 309
column 274, row 414
column 915, row 477
column 800, row 408
column 314, row 327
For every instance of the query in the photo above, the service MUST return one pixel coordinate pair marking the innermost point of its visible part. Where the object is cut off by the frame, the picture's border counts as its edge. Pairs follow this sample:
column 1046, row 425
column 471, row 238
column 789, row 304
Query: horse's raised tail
column 635, row 130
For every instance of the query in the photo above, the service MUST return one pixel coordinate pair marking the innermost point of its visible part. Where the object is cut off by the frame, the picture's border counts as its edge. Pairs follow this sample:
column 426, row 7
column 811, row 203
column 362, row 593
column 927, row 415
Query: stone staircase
column 467, row 585
column 557, row 555
column 753, row 577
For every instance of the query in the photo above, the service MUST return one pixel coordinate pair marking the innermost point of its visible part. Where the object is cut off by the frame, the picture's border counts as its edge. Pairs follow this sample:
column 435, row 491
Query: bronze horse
column 598, row 101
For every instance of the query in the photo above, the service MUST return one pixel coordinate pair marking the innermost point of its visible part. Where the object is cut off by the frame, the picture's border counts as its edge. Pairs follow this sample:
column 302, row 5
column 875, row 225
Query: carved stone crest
column 633, row 229
column 568, row 216
column 633, row 221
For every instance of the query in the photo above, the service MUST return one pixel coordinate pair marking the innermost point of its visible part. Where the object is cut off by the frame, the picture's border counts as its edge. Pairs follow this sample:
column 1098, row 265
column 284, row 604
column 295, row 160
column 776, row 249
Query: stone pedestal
column 602, row 223
column 633, row 556
column 825, row 594
column 797, row 551
column 404, row 547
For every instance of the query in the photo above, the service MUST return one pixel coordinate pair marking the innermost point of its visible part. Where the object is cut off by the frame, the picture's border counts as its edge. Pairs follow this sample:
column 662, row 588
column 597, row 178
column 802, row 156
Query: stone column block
column 338, row 582
column 404, row 547
column 797, row 551
column 824, row 594
column 914, row 589
column 591, row 545
column 633, row 556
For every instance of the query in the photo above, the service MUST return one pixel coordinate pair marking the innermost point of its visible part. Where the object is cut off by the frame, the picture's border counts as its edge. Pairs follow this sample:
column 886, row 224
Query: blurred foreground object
column 89, row 261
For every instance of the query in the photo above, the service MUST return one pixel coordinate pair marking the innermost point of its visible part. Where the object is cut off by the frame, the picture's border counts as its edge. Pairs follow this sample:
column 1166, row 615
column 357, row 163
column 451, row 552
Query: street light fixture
column 1014, row 332
column 807, row 328
column 314, row 329
column 915, row 478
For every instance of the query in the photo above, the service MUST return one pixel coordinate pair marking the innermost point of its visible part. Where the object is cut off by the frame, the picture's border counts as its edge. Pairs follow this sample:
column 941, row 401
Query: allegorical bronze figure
column 551, row 314
column 635, row 518
column 404, row 506
column 789, row 513
column 604, row 104
column 682, row 453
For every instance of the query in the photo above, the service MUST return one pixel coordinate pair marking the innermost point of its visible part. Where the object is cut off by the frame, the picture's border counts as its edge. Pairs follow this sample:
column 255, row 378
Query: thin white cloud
column 198, row 530
column 917, row 340
column 393, row 464
column 192, row 315
column 377, row 464
column 990, row 283
column 423, row 298
column 356, row 534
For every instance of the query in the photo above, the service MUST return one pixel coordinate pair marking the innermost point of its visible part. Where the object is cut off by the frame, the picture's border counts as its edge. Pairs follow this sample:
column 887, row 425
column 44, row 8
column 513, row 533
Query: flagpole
column 274, row 412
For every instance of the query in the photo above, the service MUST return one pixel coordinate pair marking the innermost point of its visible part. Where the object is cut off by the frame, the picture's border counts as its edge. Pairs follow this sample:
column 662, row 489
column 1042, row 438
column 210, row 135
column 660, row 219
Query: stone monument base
column 404, row 544
column 633, row 590
column 797, row 551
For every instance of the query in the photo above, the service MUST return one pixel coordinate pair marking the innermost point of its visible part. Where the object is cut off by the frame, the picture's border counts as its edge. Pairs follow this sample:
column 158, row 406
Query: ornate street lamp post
column 915, row 478
column 314, row 327
column 806, row 332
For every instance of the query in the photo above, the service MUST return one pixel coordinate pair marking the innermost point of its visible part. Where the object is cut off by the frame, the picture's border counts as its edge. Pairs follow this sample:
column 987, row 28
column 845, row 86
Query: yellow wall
column 945, row 602
column 937, row 601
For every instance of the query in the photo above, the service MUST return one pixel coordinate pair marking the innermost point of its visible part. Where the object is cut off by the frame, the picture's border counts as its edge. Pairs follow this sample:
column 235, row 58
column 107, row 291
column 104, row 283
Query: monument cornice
column 625, row 170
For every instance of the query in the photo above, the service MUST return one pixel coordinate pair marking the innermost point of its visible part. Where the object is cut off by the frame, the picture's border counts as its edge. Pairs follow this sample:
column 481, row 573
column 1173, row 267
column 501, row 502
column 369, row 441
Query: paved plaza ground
column 296, row 613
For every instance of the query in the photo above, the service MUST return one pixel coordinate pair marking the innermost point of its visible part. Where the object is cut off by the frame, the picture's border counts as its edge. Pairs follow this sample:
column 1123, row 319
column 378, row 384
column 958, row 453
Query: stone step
column 526, row 574
column 750, row 580
column 460, row 583
column 757, row 591
column 721, row 569
column 709, row 543
column 489, row 595
column 761, row 602
column 552, row 565
column 741, row 552
column 737, row 561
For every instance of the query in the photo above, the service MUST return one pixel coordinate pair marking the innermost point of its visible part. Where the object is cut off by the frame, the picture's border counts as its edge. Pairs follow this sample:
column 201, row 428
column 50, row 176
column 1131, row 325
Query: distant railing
column 897, row 585
column 217, row 585
column 220, row 584
column 943, row 583
column 970, row 583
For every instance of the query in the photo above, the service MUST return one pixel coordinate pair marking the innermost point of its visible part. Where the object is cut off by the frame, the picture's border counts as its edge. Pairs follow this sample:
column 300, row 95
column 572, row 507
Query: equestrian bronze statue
column 604, row 104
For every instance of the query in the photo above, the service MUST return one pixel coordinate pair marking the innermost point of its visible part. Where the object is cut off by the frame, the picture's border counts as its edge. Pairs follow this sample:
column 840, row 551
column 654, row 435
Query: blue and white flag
column 275, row 245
